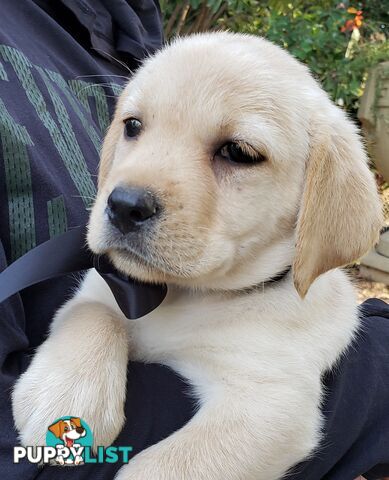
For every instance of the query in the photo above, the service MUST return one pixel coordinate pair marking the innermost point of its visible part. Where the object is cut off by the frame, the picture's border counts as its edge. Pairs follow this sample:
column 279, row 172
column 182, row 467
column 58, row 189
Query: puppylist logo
column 69, row 441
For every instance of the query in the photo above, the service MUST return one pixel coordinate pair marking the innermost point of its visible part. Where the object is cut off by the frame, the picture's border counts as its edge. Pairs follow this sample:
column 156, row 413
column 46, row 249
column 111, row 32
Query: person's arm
column 14, row 358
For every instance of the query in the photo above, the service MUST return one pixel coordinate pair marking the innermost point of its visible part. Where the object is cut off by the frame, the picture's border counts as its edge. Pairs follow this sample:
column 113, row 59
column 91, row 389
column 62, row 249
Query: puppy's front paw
column 62, row 381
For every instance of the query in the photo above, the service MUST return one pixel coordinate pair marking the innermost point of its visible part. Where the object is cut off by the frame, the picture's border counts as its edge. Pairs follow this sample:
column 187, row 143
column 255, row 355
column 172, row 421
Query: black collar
column 279, row 276
column 261, row 285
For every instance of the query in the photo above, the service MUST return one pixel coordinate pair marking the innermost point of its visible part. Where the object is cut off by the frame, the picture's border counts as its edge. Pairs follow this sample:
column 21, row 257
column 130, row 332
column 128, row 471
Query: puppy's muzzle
column 129, row 208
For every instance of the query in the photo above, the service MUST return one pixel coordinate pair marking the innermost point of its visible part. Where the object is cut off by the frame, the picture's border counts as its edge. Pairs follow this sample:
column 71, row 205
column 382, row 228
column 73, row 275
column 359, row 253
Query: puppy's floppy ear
column 76, row 421
column 112, row 136
column 57, row 428
column 340, row 215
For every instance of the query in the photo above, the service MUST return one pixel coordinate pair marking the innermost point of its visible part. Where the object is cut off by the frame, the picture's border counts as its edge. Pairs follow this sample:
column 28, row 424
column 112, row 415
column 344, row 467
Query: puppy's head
column 225, row 163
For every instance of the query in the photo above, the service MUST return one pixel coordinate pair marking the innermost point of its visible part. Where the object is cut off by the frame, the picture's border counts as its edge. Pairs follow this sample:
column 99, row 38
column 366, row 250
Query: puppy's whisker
column 102, row 75
column 85, row 197
column 125, row 66
column 104, row 85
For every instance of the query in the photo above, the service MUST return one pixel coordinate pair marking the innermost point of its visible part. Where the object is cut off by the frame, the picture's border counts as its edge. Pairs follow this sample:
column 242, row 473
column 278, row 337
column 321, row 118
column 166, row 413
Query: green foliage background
column 311, row 32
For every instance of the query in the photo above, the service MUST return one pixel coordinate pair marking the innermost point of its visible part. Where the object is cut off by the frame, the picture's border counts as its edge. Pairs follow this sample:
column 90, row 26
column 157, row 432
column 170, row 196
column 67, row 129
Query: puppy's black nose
column 129, row 207
column 80, row 429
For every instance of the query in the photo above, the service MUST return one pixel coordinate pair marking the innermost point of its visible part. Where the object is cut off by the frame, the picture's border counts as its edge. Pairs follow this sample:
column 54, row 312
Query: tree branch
column 172, row 20
column 184, row 13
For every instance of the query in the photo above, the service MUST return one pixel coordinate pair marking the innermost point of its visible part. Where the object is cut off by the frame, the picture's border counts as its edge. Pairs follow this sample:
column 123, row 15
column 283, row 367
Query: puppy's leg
column 238, row 437
column 79, row 370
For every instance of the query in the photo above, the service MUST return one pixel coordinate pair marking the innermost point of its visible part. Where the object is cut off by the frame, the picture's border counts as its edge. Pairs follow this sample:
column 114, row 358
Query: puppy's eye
column 240, row 153
column 66, row 429
column 132, row 127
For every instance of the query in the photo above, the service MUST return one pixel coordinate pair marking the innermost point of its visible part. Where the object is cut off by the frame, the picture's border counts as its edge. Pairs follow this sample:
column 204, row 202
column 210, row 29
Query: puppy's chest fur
column 228, row 342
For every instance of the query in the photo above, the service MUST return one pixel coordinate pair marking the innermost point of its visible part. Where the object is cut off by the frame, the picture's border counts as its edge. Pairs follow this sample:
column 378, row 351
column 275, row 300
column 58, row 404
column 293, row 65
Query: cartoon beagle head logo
column 68, row 430
column 69, row 435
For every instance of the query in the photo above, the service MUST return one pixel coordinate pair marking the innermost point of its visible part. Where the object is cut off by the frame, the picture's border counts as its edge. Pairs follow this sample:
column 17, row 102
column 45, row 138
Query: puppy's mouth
column 128, row 254
column 133, row 246
column 131, row 259
column 145, row 263
column 145, row 254
column 69, row 442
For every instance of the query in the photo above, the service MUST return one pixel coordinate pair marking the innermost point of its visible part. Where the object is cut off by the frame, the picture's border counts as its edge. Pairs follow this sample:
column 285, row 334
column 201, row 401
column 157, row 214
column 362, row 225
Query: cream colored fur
column 254, row 358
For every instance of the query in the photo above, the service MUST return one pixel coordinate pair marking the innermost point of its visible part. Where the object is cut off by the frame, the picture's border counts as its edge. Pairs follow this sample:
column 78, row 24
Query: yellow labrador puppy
column 225, row 164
